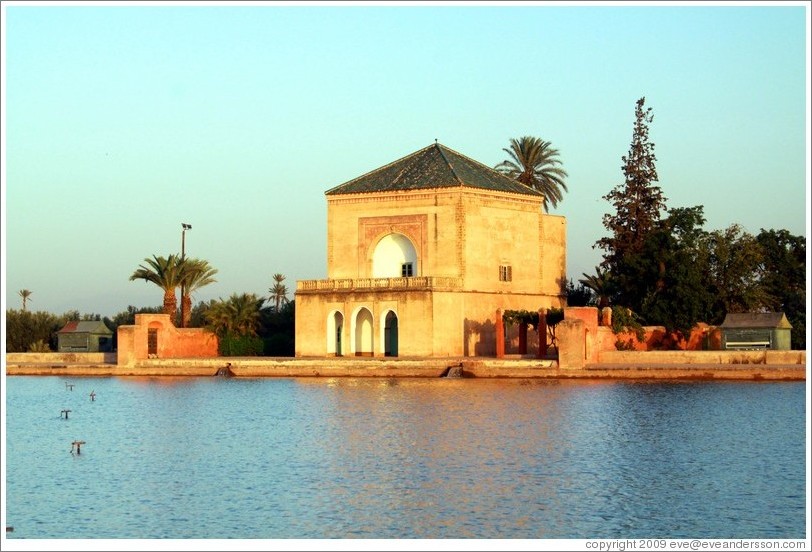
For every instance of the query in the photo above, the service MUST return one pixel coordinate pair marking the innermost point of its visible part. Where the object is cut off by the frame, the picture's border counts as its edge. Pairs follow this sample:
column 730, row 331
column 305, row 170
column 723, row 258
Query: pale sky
column 121, row 121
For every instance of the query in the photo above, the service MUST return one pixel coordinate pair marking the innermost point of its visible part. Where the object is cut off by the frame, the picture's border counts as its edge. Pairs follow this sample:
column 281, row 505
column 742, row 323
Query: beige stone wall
column 415, row 324
column 430, row 322
column 554, row 254
column 502, row 229
column 460, row 234
column 355, row 224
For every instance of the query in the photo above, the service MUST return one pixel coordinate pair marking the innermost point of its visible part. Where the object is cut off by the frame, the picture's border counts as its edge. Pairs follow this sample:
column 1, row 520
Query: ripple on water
column 410, row 458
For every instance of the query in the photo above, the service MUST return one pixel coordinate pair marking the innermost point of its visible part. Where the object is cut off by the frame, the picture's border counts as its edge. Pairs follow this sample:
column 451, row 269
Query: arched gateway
column 390, row 334
column 335, row 330
column 362, row 332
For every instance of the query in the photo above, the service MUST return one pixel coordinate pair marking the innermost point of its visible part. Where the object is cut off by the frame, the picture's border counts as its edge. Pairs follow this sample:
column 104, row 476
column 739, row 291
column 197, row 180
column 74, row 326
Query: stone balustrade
column 412, row 283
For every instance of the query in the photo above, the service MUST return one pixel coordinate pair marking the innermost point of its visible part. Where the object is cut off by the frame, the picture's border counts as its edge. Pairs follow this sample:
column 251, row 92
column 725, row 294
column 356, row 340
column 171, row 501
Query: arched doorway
column 394, row 257
column 363, row 332
column 390, row 334
column 335, row 331
column 152, row 339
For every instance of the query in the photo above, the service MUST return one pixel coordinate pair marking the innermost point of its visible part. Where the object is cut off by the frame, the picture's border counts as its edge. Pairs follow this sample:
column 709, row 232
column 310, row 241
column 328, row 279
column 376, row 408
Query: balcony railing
column 347, row 284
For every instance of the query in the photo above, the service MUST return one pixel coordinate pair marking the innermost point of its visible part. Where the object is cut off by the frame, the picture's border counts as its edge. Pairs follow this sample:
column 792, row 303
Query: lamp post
column 183, row 239
column 182, row 258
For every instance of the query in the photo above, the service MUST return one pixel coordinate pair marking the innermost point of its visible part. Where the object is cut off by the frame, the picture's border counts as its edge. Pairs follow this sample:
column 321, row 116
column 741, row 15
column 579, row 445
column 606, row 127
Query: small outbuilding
column 756, row 330
column 86, row 336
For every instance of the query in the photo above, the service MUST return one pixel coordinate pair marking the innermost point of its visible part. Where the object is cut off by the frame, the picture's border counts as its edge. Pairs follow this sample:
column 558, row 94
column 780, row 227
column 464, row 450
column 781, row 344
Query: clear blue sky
column 123, row 121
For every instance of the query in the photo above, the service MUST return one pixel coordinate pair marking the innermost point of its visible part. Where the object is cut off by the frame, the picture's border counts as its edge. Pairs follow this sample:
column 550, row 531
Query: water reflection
column 403, row 458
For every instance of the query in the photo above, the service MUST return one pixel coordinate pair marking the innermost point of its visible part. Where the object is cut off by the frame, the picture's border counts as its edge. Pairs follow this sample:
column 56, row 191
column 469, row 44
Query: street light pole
column 183, row 239
column 182, row 258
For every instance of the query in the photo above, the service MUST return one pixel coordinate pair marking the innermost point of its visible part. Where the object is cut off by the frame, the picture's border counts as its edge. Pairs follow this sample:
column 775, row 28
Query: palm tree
column 239, row 315
column 26, row 295
column 534, row 163
column 601, row 284
column 195, row 273
column 166, row 274
column 279, row 291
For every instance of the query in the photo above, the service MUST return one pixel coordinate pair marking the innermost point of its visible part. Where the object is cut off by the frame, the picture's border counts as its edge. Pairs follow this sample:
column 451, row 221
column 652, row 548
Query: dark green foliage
column 554, row 316
column 600, row 286
column 673, row 273
column 241, row 345
column 280, row 344
column 278, row 328
column 784, row 278
column 27, row 330
column 624, row 320
column 734, row 273
column 674, row 293
column 638, row 202
column 198, row 314
column 580, row 296
column 24, row 327
column 534, row 163
column 237, row 315
column 663, row 282
column 531, row 318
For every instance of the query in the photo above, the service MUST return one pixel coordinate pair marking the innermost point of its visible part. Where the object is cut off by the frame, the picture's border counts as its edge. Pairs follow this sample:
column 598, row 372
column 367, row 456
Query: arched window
column 394, row 257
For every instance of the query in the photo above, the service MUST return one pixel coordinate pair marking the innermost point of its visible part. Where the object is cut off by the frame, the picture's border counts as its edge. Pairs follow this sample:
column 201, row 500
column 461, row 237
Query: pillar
column 500, row 335
column 522, row 338
column 542, row 329
column 571, row 349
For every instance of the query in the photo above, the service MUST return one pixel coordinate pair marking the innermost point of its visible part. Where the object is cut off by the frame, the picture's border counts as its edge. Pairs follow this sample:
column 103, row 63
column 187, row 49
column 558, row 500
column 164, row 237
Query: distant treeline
column 244, row 326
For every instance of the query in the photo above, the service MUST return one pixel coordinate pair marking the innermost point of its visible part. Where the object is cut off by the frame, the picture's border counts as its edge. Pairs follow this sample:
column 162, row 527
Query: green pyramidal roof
column 433, row 167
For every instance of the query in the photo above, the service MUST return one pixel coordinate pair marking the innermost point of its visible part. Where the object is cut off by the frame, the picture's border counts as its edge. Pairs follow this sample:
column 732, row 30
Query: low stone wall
column 480, row 367
column 61, row 358
column 765, row 357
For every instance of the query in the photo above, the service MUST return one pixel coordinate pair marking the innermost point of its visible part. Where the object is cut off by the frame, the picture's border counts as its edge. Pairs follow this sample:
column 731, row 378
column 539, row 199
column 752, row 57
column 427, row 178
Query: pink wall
column 656, row 339
column 595, row 338
column 133, row 341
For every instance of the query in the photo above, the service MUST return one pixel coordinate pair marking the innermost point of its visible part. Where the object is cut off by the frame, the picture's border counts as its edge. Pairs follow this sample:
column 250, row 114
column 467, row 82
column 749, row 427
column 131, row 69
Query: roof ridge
column 378, row 169
column 449, row 163
column 427, row 168
column 532, row 191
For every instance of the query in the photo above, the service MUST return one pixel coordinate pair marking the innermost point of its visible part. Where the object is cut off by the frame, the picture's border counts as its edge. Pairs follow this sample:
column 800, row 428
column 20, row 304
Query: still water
column 403, row 458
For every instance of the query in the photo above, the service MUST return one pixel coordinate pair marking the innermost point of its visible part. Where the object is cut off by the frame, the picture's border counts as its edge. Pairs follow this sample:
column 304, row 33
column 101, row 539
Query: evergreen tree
column 671, row 273
column 638, row 203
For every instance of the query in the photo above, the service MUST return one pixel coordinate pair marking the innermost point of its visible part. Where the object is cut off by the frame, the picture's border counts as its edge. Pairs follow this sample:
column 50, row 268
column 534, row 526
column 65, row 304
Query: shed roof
column 86, row 326
column 756, row 320
column 435, row 166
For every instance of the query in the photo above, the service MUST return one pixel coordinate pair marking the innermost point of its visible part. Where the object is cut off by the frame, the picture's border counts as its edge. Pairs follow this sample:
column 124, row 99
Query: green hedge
column 241, row 345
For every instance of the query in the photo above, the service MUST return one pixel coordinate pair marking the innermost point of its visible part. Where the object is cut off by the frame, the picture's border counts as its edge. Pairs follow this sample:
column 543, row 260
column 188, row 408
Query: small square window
column 407, row 270
column 505, row 273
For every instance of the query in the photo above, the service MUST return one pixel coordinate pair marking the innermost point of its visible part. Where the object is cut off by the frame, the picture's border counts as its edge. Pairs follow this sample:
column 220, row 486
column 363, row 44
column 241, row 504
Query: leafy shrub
column 39, row 346
column 241, row 345
column 624, row 320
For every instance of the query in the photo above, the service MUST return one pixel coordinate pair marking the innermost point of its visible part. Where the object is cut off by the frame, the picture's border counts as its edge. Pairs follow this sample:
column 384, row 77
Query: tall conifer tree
column 638, row 201
column 638, row 204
